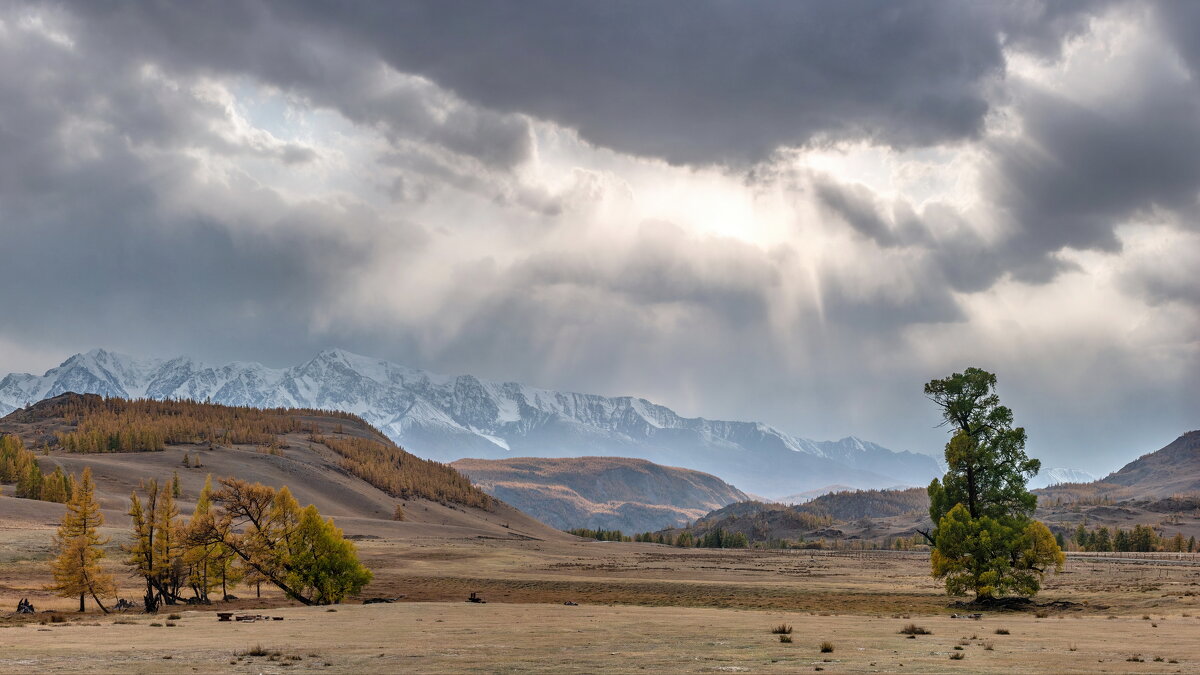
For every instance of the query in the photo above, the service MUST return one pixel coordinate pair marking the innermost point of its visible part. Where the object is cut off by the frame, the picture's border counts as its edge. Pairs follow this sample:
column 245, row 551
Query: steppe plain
column 641, row 608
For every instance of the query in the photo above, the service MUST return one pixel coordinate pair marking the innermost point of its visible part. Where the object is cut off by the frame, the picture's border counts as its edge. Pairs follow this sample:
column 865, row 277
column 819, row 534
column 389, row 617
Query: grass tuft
column 826, row 647
column 781, row 629
column 957, row 656
column 785, row 639
column 1002, row 631
column 914, row 629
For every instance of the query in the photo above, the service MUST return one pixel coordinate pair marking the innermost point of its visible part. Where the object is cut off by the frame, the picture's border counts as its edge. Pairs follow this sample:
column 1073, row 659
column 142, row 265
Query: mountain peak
column 447, row 418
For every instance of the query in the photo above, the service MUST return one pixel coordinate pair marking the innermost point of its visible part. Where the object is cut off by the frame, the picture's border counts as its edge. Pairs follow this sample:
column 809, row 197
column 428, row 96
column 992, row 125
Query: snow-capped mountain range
column 451, row 417
column 1058, row 475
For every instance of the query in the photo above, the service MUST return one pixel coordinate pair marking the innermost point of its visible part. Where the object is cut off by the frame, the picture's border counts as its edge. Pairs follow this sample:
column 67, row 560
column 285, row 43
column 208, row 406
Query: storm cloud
column 792, row 213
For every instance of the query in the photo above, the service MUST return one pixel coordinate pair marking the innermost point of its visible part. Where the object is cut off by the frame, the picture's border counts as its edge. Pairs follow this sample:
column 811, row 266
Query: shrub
column 782, row 629
column 957, row 656
column 826, row 647
column 1002, row 631
column 914, row 629
column 786, row 639
column 174, row 617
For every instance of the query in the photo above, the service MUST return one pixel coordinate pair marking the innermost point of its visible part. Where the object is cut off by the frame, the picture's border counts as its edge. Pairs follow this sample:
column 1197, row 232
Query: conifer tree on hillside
column 985, row 540
column 77, row 570
column 29, row 483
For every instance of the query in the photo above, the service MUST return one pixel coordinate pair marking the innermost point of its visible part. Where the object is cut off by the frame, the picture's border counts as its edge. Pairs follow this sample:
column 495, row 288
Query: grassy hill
column 334, row 460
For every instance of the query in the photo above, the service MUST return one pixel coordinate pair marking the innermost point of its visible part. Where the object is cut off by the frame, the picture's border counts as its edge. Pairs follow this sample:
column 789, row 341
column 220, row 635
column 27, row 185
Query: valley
column 552, row 598
column 601, row 493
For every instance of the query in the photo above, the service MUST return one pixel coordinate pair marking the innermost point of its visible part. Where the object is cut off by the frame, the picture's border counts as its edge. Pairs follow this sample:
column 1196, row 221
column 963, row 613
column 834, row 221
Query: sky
column 795, row 213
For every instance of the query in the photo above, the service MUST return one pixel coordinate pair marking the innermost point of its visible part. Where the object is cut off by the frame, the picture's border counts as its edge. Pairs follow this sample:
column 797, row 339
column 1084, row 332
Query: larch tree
column 304, row 556
column 29, row 483
column 156, row 552
column 984, row 539
column 210, row 564
column 200, row 557
column 77, row 570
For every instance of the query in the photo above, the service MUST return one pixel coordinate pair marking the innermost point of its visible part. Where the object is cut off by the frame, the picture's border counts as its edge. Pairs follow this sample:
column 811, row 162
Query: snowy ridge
column 450, row 417
column 1059, row 475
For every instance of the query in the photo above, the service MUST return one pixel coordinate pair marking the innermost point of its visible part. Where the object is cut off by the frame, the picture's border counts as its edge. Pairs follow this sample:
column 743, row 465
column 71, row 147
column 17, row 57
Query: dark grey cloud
column 858, row 206
column 712, row 81
column 93, row 166
column 301, row 57
column 1077, row 173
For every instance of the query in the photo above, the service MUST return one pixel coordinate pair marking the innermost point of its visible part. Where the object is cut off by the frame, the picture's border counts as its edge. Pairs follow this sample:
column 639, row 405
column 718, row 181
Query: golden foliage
column 19, row 465
column 402, row 474
column 77, row 570
column 119, row 425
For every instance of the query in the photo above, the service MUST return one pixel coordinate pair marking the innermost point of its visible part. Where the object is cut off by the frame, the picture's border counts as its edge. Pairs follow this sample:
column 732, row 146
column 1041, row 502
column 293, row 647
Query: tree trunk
column 81, row 607
column 99, row 604
column 971, row 491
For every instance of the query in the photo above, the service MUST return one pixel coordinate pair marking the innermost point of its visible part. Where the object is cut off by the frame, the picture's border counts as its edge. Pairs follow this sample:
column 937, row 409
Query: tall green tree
column 984, row 538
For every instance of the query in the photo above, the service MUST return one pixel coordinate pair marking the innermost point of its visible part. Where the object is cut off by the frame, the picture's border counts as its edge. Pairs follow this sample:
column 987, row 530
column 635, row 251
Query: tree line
column 1142, row 538
column 241, row 532
column 146, row 425
column 402, row 474
column 717, row 538
column 19, row 465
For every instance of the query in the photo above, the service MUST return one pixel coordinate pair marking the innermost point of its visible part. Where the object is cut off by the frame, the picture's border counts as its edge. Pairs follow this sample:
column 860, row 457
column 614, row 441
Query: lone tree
column 293, row 548
column 985, row 539
column 76, row 569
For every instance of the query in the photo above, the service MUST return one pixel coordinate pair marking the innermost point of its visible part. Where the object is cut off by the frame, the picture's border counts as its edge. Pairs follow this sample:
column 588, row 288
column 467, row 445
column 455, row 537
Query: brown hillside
column 336, row 461
column 1172, row 470
column 618, row 493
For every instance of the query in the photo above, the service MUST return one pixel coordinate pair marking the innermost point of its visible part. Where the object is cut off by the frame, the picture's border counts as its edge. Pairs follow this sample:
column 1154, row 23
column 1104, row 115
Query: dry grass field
column 642, row 608
column 538, row 638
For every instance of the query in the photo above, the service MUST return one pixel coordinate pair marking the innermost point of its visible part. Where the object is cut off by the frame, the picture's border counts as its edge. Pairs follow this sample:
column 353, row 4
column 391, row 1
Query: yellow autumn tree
column 305, row 556
column 77, row 570
column 156, row 552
